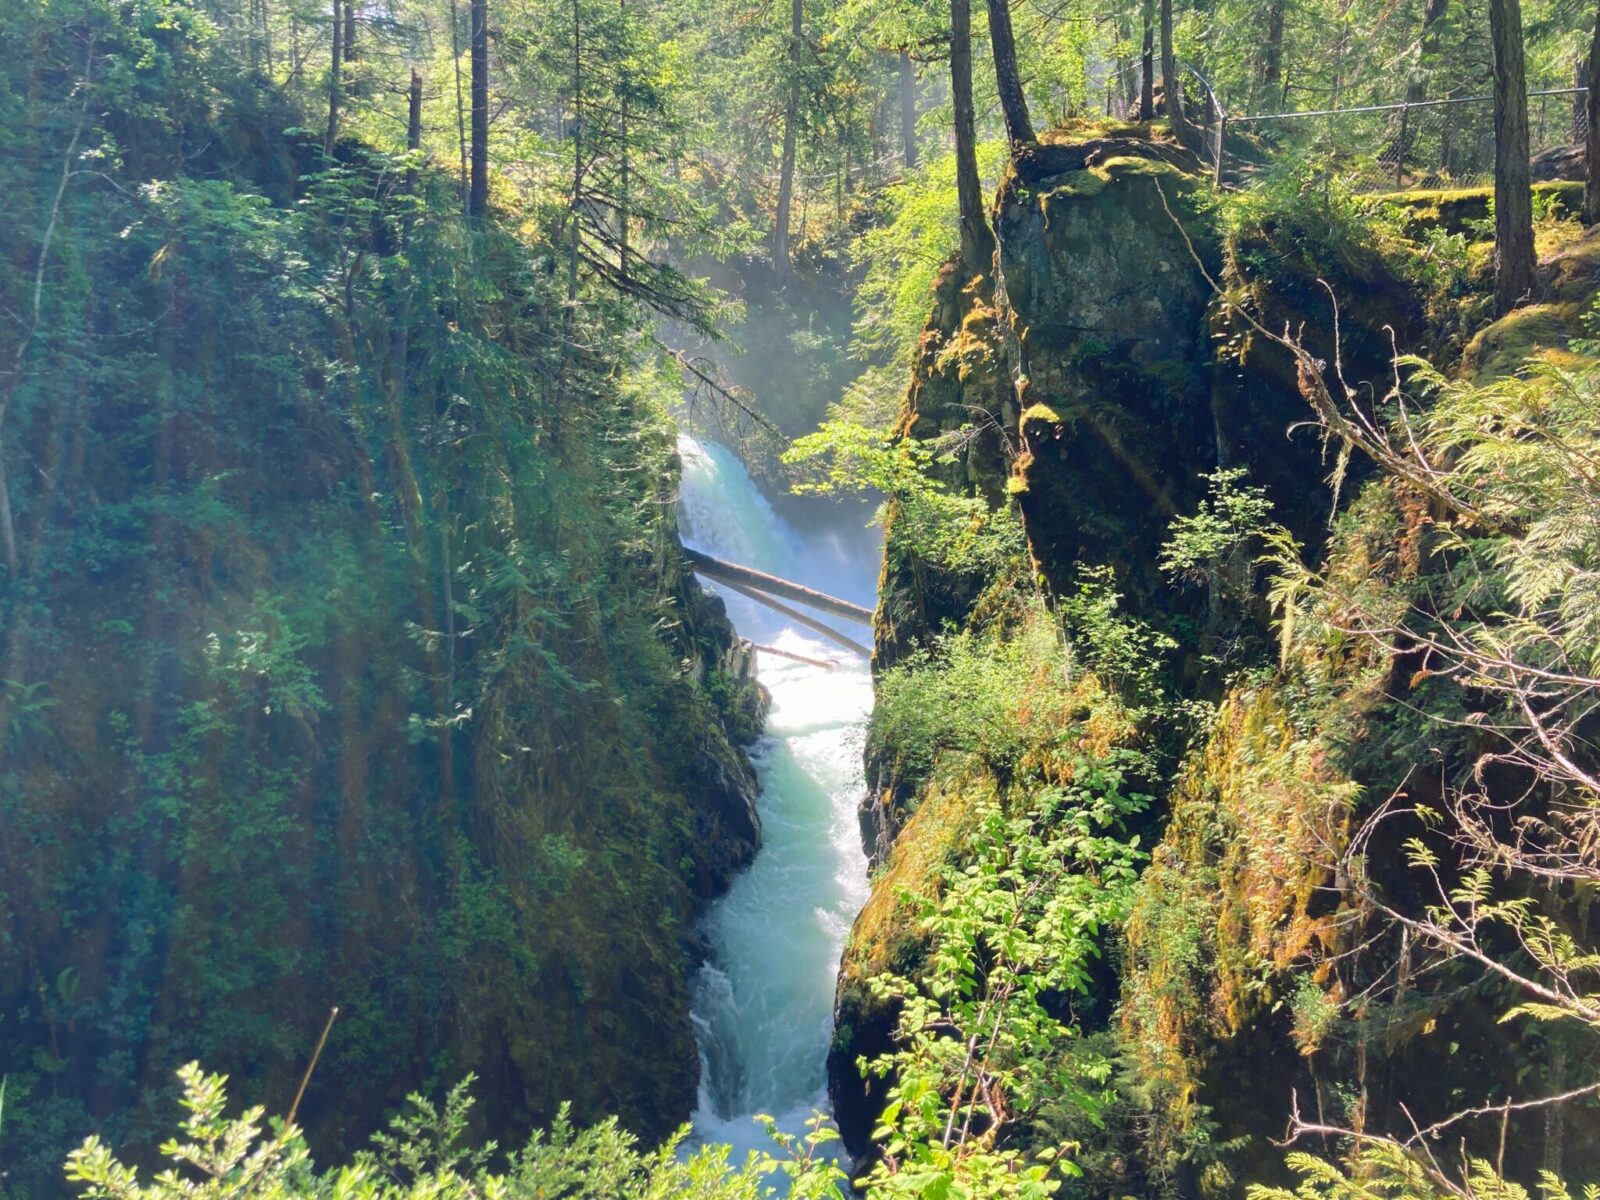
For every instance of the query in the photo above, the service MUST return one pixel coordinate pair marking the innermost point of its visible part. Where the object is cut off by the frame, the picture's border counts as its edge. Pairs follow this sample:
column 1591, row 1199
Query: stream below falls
column 763, row 1002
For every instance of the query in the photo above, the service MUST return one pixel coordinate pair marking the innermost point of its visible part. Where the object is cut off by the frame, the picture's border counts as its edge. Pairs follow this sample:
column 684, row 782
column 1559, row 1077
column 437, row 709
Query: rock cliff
column 1109, row 367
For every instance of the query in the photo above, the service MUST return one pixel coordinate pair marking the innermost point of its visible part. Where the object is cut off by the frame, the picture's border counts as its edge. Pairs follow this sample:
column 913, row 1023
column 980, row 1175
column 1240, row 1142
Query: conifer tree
column 1013, row 103
column 977, row 242
column 1513, row 189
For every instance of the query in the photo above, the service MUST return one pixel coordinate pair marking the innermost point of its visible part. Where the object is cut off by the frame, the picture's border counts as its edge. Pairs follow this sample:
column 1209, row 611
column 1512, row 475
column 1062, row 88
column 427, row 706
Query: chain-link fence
column 1445, row 143
column 1200, row 103
column 1394, row 147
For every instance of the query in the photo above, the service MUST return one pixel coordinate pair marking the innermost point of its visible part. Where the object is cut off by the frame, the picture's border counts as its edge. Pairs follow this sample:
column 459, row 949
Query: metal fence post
column 1403, row 147
column 1222, row 128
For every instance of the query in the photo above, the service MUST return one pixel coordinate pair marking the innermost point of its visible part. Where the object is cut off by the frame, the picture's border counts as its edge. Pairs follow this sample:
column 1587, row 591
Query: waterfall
column 763, row 1002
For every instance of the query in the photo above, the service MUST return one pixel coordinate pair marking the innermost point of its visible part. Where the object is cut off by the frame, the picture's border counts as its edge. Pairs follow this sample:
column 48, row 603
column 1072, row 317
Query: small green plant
column 1315, row 1012
column 1214, row 543
column 29, row 706
column 1125, row 651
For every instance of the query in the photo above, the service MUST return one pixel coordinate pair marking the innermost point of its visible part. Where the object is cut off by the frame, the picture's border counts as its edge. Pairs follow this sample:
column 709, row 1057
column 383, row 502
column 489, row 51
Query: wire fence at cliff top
column 1446, row 143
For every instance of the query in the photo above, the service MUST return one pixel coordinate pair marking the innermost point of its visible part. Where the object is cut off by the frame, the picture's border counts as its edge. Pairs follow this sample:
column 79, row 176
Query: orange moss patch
column 944, row 821
column 1231, row 901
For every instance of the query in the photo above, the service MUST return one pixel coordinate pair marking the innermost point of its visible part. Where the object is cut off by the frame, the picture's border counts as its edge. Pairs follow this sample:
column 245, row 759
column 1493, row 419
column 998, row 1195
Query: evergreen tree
column 977, row 242
column 1513, row 196
column 1013, row 104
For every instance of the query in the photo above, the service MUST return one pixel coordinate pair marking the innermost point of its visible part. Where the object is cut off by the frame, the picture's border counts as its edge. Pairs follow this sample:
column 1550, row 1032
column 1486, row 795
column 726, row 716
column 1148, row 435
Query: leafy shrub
column 984, row 694
column 933, row 522
column 979, row 1046
column 427, row 1155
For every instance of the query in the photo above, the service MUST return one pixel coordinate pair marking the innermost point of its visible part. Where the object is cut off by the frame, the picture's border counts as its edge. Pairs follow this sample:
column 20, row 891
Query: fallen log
column 733, row 573
column 824, row 663
column 810, row 622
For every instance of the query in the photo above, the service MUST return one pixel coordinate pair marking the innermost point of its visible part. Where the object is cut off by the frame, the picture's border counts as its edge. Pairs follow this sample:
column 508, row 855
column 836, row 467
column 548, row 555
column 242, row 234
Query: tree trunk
column 791, row 115
column 8, row 527
column 1147, row 72
column 908, row 109
column 1272, row 56
column 1580, row 102
column 1417, row 86
column 575, row 234
column 478, row 192
column 1013, row 104
column 1171, row 88
column 335, row 79
column 977, row 243
column 849, row 156
column 1591, row 133
column 349, row 31
column 461, row 118
column 1513, row 189
column 1129, row 91
column 624, row 178
column 413, row 129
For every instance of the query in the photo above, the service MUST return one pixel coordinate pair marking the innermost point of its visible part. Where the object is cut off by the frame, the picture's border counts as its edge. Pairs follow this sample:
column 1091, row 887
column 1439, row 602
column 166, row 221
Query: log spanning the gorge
column 761, row 588
column 733, row 573
column 827, row 664
column 794, row 614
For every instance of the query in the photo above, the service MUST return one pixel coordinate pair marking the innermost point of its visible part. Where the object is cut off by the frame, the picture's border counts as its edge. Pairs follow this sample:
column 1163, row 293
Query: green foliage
column 1521, row 451
column 1205, row 544
column 1379, row 1170
column 1303, row 206
column 983, row 694
column 348, row 615
column 979, row 1038
column 902, row 253
column 932, row 521
column 427, row 1155
column 1127, row 652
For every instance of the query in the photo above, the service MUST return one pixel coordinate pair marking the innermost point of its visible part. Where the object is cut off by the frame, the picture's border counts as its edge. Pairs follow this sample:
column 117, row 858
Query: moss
column 1077, row 185
column 1453, row 210
column 1538, row 331
column 945, row 816
column 1080, row 129
column 1233, row 904
column 1120, row 166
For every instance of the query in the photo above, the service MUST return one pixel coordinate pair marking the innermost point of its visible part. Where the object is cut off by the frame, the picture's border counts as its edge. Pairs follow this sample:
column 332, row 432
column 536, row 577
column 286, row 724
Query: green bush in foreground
column 427, row 1156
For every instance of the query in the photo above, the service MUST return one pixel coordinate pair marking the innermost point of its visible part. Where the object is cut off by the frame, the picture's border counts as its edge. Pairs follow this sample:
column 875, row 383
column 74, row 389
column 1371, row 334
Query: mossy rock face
column 1140, row 374
column 958, row 376
column 1539, row 331
column 1137, row 374
column 1108, row 306
column 1236, row 896
column 1543, row 331
column 267, row 780
column 885, row 937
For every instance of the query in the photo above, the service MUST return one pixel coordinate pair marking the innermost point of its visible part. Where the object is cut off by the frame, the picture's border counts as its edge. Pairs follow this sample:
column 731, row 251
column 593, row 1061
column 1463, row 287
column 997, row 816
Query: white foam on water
column 763, row 1003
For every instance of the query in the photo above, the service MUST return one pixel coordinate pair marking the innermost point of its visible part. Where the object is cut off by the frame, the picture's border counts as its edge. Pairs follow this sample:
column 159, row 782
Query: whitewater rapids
column 763, row 1002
